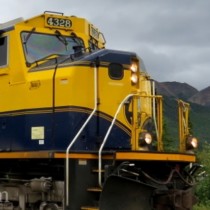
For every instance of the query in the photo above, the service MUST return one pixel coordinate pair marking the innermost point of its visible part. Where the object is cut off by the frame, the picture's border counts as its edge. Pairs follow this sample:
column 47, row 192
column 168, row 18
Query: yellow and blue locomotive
column 81, row 125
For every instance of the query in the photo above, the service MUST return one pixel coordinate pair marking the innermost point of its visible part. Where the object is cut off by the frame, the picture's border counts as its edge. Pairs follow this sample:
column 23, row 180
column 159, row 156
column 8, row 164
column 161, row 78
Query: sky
column 171, row 36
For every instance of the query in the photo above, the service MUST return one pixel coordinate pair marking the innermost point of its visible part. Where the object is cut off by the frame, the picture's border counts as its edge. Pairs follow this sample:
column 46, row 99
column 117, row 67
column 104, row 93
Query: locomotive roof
column 56, row 21
column 10, row 24
column 39, row 20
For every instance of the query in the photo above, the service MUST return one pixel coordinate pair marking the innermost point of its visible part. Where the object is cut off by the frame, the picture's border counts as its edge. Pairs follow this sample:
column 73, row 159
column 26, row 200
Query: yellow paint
column 19, row 155
column 23, row 88
column 155, row 156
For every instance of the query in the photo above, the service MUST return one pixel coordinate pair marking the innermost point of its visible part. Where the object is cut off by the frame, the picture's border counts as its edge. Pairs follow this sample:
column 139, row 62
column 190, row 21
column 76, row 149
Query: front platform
column 116, row 155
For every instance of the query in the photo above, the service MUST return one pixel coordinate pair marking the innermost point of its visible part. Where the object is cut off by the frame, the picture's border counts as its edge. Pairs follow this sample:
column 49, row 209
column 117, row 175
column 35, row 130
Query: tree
column 203, row 186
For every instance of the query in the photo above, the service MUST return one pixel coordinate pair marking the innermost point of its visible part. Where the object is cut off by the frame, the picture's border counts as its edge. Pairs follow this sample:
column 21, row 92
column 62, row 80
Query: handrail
column 106, row 137
column 78, row 133
column 154, row 109
column 183, row 109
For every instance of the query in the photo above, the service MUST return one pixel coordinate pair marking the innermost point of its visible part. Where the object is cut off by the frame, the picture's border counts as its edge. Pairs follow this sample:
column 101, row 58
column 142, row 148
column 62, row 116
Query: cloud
column 171, row 36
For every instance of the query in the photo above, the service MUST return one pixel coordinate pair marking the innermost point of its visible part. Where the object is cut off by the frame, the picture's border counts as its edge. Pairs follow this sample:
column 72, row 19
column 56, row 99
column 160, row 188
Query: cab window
column 3, row 51
column 116, row 71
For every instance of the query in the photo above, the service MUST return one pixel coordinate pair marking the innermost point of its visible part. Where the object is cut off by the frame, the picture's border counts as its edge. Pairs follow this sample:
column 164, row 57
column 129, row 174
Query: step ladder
column 96, row 191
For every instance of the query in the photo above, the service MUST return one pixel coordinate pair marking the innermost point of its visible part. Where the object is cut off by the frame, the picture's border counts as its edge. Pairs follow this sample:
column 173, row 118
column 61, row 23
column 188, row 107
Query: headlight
column 191, row 143
column 134, row 78
column 148, row 138
column 145, row 139
column 134, row 67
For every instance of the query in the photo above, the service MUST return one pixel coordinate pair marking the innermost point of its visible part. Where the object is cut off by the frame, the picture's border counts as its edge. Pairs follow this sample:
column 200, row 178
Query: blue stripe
column 60, row 129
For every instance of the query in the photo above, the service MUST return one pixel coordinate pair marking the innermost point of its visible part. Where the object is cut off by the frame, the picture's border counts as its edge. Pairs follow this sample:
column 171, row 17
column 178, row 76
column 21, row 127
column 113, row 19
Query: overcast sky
column 171, row 36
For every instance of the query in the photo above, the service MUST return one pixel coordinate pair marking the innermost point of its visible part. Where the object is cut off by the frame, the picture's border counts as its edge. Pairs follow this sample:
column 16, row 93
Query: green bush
column 201, row 207
column 203, row 186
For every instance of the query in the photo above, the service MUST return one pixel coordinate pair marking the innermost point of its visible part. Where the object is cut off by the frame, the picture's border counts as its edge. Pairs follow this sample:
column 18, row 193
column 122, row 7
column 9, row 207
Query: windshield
column 38, row 46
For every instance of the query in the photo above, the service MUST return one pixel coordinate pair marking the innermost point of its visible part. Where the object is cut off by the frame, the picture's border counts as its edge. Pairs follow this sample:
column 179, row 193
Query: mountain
column 202, row 97
column 176, row 89
column 184, row 92
column 199, row 111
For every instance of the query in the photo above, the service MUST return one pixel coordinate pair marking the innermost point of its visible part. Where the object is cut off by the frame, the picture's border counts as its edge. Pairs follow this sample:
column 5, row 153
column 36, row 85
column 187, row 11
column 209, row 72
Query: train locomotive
column 81, row 126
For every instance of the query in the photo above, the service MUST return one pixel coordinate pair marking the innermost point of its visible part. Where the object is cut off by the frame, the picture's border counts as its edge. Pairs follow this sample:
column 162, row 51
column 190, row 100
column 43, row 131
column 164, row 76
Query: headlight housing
column 191, row 143
column 134, row 67
column 134, row 72
column 145, row 139
column 134, row 78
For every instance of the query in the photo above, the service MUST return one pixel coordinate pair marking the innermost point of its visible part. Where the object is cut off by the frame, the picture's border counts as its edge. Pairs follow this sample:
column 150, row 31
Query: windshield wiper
column 47, row 58
column 29, row 35
column 27, row 38
column 61, row 38
column 78, row 49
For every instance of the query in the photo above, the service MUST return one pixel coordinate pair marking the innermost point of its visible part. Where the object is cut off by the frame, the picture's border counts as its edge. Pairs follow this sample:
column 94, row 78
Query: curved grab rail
column 78, row 133
column 107, row 134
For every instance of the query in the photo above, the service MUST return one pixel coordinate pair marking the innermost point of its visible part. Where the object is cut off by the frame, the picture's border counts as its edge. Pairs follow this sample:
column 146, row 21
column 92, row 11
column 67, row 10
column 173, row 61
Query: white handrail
column 106, row 137
column 78, row 133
